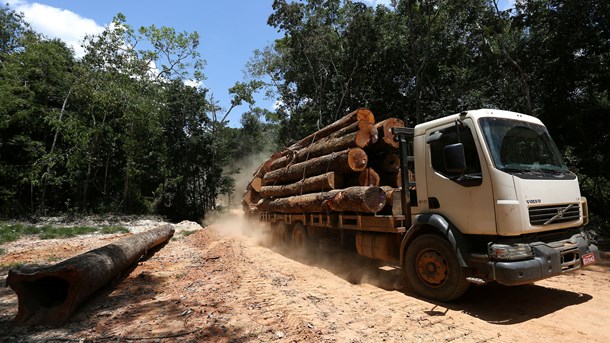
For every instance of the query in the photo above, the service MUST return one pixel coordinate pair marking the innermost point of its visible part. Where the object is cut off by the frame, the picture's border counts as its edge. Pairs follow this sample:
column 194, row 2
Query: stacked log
column 341, row 167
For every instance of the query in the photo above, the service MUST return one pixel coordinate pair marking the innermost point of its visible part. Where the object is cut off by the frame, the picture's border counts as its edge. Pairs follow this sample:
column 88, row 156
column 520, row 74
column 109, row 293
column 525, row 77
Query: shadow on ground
column 492, row 303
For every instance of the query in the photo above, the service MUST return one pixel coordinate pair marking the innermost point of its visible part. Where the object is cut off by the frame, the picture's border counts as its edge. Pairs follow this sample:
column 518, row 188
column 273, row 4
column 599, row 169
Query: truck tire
column 300, row 240
column 433, row 270
column 281, row 234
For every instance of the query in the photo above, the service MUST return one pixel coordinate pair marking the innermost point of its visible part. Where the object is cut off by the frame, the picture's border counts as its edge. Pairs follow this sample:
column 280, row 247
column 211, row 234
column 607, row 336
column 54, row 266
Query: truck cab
column 493, row 201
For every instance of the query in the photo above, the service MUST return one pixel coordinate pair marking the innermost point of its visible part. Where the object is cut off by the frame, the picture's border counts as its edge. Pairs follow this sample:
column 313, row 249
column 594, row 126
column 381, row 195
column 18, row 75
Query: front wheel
column 433, row 270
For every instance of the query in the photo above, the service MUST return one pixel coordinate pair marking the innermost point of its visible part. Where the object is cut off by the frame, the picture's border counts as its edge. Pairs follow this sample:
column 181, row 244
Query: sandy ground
column 220, row 285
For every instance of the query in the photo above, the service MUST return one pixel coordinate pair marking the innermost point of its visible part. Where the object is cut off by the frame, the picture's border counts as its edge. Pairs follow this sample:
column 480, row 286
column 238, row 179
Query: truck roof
column 475, row 115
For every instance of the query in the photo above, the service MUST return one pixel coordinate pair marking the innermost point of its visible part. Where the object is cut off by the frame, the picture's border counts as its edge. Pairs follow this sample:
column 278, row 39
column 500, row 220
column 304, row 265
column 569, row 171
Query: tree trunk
column 389, row 198
column 48, row 295
column 352, row 199
column 256, row 183
column 386, row 137
column 367, row 177
column 324, row 182
column 251, row 197
column 348, row 161
column 359, row 114
column 392, row 179
column 365, row 133
column 389, row 162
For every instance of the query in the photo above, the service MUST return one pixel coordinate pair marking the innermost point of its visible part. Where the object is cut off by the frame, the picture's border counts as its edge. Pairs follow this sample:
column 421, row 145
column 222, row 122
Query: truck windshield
column 519, row 147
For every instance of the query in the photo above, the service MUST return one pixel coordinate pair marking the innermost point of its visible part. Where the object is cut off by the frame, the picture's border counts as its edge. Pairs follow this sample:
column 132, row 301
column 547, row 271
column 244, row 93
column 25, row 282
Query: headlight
column 515, row 252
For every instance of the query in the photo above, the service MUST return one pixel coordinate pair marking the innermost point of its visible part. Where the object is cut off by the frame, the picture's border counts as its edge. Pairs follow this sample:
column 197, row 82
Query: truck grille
column 544, row 215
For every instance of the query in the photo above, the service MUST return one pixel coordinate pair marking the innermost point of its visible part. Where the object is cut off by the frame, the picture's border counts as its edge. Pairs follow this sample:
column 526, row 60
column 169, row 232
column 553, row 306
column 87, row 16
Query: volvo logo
column 560, row 213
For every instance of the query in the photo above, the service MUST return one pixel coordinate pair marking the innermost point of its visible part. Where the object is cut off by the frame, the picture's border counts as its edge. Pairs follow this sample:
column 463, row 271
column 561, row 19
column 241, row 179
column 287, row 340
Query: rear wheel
column 433, row 269
column 300, row 240
column 281, row 234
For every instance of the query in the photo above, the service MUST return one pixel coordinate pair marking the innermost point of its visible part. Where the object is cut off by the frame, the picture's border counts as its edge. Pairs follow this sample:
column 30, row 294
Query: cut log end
column 384, row 130
column 357, row 159
column 366, row 115
column 256, row 184
column 374, row 199
column 367, row 134
column 368, row 177
column 391, row 163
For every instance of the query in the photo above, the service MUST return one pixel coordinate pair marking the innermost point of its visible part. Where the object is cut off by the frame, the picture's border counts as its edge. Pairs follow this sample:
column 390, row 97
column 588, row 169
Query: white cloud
column 194, row 83
column 374, row 3
column 277, row 104
column 59, row 23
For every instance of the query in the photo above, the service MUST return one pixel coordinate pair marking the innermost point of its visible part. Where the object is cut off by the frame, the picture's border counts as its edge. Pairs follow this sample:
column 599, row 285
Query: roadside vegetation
column 12, row 232
column 103, row 133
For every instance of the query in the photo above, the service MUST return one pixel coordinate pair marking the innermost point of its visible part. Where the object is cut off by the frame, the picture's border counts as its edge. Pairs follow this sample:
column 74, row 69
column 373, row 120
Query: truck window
column 473, row 164
column 523, row 149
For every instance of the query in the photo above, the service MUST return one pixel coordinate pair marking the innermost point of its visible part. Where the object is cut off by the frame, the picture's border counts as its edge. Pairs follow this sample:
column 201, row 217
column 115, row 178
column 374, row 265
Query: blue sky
column 230, row 30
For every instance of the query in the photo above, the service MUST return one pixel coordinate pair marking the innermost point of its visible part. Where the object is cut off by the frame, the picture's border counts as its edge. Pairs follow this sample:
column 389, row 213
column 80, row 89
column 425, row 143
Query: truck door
column 464, row 199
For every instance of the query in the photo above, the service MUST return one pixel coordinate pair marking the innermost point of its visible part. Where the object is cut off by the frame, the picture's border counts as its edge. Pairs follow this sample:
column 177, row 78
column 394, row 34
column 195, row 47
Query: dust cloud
column 342, row 261
column 327, row 254
column 232, row 222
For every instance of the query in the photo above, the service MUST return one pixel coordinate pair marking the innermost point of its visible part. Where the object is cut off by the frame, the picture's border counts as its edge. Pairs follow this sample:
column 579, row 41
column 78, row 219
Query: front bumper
column 550, row 259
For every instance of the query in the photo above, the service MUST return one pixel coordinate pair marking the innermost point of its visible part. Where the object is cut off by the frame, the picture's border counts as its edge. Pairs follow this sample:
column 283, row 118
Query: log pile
column 351, row 165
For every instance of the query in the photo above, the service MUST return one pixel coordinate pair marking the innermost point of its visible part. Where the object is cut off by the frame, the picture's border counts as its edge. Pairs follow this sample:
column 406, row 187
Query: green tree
column 566, row 49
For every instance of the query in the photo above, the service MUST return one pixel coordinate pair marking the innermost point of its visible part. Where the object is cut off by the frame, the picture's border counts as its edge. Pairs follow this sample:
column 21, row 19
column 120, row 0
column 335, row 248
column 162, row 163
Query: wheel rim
column 432, row 268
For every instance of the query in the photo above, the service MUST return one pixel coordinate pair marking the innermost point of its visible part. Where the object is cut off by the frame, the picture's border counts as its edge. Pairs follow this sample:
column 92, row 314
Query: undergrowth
column 12, row 232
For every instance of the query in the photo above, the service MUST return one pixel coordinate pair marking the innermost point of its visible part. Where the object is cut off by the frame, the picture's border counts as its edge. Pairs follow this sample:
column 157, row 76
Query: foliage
column 117, row 130
column 420, row 60
column 12, row 232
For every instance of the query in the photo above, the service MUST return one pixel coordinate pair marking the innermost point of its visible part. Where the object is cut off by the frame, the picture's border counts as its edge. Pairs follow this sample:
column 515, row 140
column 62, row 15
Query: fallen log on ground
column 48, row 295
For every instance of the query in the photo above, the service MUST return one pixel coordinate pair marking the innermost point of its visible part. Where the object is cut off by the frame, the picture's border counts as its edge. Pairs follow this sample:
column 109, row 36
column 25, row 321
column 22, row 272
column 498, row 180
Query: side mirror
column 455, row 159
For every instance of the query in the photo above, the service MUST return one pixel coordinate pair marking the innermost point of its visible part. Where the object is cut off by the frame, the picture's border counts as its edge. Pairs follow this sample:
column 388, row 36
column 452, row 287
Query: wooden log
column 251, row 197
column 392, row 179
column 387, row 162
column 364, row 134
column 318, row 183
column 367, row 177
column 386, row 137
column 367, row 129
column 359, row 114
column 389, row 198
column 395, row 179
column 351, row 199
column 358, row 199
column 48, row 295
column 256, row 183
column 347, row 161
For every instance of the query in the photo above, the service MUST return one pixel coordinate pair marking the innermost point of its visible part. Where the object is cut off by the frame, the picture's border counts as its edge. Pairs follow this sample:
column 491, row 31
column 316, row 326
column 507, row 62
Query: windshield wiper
column 520, row 170
column 554, row 171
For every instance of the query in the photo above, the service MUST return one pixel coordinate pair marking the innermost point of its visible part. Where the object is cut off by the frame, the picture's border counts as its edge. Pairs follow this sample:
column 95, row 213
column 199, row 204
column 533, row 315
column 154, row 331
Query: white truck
column 489, row 199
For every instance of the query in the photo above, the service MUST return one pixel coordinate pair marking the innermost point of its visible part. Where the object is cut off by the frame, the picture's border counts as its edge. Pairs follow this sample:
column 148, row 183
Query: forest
column 106, row 133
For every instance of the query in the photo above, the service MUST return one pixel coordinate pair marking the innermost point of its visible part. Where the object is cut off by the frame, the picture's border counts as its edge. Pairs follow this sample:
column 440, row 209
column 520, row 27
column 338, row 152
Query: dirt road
column 214, row 285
